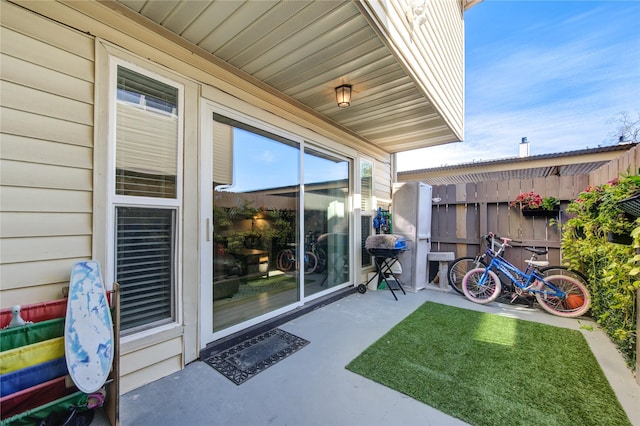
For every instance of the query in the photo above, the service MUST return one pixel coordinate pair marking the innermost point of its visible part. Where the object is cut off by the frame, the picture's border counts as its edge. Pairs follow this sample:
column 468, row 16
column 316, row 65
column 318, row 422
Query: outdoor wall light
column 343, row 95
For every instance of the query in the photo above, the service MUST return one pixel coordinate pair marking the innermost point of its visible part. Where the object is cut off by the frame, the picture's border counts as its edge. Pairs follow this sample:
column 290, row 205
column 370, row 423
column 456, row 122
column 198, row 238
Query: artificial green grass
column 492, row 370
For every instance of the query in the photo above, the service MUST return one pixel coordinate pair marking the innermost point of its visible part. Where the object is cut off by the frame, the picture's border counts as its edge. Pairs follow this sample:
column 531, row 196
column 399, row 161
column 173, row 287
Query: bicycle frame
column 524, row 280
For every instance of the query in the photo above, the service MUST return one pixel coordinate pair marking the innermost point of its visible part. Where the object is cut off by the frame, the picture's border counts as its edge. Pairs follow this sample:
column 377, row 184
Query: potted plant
column 532, row 204
column 631, row 204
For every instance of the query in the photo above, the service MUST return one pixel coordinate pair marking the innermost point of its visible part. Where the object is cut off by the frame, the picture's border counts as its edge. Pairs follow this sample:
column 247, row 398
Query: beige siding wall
column 433, row 53
column 46, row 158
column 46, row 174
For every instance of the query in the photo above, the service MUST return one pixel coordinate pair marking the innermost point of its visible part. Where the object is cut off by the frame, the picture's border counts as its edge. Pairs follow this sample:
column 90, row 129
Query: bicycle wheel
column 481, row 287
column 574, row 303
column 459, row 267
column 322, row 258
column 564, row 271
column 310, row 262
column 285, row 260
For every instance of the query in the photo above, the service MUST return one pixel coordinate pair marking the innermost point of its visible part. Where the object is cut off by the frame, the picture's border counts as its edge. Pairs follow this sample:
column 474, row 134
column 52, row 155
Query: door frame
column 205, row 204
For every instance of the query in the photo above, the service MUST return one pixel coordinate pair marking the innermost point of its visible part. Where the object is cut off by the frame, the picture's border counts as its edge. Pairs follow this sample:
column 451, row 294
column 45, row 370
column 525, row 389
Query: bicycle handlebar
column 491, row 236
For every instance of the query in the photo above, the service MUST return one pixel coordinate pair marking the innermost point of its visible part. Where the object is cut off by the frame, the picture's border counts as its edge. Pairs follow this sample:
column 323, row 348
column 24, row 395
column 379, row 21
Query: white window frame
column 114, row 200
column 372, row 203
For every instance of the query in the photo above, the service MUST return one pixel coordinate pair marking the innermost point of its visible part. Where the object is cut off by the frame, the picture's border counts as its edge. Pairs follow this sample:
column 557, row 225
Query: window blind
column 366, row 185
column 222, row 153
column 144, row 265
column 365, row 230
column 146, row 136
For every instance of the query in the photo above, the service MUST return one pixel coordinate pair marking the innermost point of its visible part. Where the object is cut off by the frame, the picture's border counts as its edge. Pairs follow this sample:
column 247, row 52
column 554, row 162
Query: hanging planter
column 625, row 239
column 631, row 205
column 527, row 212
column 533, row 205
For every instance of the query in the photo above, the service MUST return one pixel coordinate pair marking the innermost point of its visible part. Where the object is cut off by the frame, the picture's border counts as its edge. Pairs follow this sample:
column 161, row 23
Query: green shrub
column 612, row 269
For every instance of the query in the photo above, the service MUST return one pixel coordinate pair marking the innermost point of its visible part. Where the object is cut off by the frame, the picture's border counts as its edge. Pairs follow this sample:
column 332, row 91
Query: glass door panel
column 256, row 187
column 326, row 221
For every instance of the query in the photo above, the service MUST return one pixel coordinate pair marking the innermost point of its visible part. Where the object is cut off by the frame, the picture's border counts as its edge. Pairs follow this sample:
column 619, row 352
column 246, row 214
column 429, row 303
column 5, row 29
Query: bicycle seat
column 538, row 263
column 536, row 251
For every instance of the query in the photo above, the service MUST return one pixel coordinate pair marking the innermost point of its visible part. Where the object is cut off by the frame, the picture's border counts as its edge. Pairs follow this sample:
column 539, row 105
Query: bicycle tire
column 574, row 304
column 322, row 258
column 481, row 288
column 285, row 260
column 310, row 262
column 563, row 270
column 459, row 267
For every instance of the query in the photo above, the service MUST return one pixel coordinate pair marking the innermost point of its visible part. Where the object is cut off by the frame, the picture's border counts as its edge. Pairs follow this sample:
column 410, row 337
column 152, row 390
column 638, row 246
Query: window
column 145, row 241
column 366, row 208
column 146, row 136
column 146, row 194
column 366, row 186
column 256, row 212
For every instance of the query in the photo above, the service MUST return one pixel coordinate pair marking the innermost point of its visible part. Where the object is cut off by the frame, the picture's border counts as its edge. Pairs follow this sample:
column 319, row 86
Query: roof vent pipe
column 524, row 148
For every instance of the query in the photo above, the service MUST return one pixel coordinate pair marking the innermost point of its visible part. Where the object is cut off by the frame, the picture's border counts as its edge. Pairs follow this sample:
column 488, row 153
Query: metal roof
column 570, row 163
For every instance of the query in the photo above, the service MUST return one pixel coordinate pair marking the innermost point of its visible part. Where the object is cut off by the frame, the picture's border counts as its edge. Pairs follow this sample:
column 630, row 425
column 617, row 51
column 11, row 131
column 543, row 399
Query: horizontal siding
column 134, row 361
column 32, row 249
column 38, row 175
column 46, row 166
column 27, row 124
column 26, row 149
column 26, row 224
column 46, row 158
column 20, row 45
column 36, row 275
column 24, row 98
column 45, row 79
column 34, row 294
column 48, row 32
column 150, row 374
column 17, row 199
column 434, row 54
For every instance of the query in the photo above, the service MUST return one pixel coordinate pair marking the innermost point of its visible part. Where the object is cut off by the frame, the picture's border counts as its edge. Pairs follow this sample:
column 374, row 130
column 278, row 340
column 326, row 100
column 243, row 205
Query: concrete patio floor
column 312, row 387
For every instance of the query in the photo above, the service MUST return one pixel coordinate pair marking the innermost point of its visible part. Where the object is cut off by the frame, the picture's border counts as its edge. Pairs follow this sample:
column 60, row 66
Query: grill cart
column 385, row 248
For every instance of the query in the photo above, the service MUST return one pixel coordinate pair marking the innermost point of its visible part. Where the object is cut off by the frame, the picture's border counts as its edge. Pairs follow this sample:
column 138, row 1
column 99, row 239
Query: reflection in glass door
column 326, row 221
column 256, row 187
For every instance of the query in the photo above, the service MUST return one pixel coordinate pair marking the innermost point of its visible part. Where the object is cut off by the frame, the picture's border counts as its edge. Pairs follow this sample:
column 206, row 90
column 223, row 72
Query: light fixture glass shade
column 343, row 95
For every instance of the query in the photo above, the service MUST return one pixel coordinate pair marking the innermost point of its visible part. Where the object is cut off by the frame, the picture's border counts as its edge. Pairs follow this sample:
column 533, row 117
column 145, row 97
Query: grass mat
column 487, row 369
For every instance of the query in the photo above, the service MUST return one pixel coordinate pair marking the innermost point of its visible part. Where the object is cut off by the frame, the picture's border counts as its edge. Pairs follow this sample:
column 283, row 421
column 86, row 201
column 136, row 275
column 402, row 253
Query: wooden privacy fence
column 626, row 163
column 465, row 212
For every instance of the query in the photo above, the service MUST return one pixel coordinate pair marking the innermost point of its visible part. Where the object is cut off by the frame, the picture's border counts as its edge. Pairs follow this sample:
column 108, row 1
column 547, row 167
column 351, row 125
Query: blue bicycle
column 560, row 295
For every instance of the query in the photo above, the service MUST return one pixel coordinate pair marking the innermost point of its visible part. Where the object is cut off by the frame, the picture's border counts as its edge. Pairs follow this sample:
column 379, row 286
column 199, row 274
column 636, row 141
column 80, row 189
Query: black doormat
column 241, row 362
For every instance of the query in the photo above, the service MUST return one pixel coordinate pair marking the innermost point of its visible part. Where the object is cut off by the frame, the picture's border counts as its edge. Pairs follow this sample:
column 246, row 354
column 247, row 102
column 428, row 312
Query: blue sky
column 556, row 72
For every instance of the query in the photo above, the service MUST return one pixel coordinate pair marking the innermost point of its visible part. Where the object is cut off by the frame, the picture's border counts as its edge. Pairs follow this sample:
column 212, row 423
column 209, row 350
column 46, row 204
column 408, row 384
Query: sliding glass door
column 256, row 187
column 326, row 220
column 268, row 245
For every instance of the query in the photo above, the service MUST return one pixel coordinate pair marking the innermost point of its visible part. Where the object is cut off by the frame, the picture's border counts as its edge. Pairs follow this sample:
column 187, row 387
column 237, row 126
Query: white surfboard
column 88, row 329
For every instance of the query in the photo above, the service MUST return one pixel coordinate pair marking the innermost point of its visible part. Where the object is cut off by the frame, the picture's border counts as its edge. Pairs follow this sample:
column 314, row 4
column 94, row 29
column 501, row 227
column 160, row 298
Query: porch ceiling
column 303, row 50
